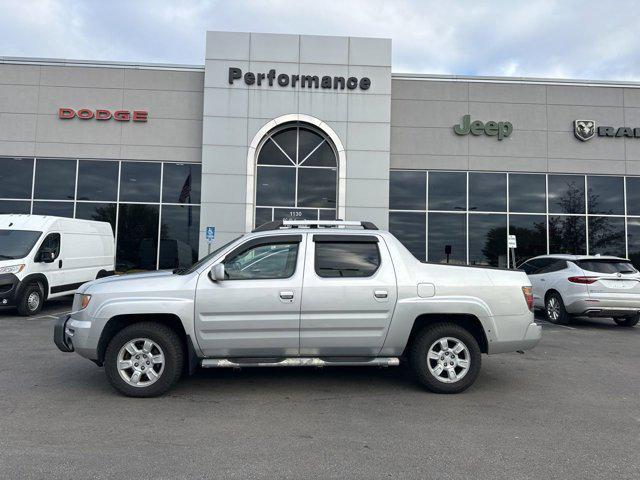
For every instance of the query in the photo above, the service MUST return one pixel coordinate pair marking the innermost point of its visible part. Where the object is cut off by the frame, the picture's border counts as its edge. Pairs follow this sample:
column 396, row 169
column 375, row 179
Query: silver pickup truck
column 301, row 294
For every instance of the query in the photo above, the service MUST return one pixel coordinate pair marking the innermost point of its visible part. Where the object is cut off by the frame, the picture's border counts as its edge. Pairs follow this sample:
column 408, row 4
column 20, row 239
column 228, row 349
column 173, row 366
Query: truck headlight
column 12, row 269
column 84, row 301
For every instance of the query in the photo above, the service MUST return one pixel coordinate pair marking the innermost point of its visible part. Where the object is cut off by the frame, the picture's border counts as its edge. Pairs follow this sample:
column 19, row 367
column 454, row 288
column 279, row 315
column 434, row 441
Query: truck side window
column 263, row 262
column 51, row 242
column 346, row 259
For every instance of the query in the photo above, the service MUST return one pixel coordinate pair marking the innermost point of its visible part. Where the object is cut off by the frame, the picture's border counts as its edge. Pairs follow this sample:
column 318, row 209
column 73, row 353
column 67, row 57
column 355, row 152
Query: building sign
column 490, row 128
column 586, row 129
column 304, row 81
column 102, row 115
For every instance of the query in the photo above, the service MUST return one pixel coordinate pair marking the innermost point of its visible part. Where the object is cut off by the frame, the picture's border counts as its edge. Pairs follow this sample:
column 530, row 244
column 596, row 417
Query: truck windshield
column 202, row 261
column 16, row 244
column 607, row 266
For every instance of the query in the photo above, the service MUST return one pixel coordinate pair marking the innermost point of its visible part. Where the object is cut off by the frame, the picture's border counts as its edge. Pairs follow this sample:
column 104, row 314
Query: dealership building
column 316, row 127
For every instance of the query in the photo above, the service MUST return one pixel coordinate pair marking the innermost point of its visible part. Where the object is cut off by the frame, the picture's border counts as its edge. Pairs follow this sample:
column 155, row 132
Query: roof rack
column 278, row 224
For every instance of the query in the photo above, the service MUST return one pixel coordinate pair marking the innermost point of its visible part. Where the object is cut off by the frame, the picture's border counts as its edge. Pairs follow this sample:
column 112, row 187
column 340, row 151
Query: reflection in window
column 56, row 209
column 488, row 192
column 447, row 238
column 98, row 181
column 488, row 243
column 447, row 191
column 263, row 262
column 11, row 206
column 566, row 194
column 263, row 215
column 527, row 193
column 531, row 235
column 137, row 237
column 317, row 187
column 633, row 239
column 606, row 236
column 346, row 259
column 100, row 212
column 55, row 179
column 407, row 190
column 276, row 186
column 179, row 236
column 567, row 234
column 633, row 195
column 16, row 175
column 140, row 182
column 296, row 168
column 606, row 195
column 181, row 183
column 410, row 229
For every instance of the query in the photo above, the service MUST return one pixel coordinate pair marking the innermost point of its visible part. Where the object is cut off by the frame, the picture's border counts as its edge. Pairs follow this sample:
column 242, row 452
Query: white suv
column 593, row 286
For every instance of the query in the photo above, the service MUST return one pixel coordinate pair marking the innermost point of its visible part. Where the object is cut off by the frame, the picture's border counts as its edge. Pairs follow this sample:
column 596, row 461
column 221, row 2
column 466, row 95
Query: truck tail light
column 583, row 280
column 528, row 296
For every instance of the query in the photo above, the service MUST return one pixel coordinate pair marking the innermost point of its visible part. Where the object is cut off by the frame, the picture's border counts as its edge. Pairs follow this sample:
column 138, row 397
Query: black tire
column 627, row 321
column 27, row 308
column 420, row 363
column 169, row 345
column 553, row 305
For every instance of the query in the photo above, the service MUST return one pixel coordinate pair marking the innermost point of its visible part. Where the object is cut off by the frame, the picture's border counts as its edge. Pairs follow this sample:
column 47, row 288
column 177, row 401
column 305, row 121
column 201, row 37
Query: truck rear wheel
column 144, row 360
column 446, row 358
column 30, row 303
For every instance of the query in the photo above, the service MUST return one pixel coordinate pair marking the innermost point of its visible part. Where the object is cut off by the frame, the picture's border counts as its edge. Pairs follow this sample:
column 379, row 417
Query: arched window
column 296, row 175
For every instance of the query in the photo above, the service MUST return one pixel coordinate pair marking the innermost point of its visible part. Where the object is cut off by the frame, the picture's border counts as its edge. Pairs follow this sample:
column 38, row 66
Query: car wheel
column 445, row 358
column 144, row 360
column 627, row 321
column 31, row 301
column 555, row 311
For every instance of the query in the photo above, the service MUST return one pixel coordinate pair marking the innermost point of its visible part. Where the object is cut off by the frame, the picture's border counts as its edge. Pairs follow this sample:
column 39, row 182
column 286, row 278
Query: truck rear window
column 344, row 259
column 607, row 266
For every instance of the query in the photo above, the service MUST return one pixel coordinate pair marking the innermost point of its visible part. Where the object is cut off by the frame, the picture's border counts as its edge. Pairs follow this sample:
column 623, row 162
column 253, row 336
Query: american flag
column 185, row 193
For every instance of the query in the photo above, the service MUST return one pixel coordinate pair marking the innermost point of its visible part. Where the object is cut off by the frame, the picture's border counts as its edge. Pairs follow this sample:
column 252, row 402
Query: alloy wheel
column 448, row 359
column 140, row 362
column 553, row 309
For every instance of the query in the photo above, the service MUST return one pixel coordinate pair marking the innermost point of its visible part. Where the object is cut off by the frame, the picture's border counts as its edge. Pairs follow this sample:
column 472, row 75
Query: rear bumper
column 9, row 285
column 605, row 307
column 531, row 337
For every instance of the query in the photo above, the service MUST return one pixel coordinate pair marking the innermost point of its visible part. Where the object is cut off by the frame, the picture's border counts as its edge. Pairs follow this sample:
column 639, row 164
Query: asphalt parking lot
column 568, row 409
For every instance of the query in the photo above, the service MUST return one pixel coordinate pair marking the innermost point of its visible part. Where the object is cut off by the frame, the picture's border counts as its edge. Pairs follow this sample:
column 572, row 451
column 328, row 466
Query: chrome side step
column 300, row 362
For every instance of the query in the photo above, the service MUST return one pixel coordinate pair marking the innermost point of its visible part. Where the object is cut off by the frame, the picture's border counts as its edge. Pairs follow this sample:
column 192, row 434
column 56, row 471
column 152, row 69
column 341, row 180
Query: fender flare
column 34, row 277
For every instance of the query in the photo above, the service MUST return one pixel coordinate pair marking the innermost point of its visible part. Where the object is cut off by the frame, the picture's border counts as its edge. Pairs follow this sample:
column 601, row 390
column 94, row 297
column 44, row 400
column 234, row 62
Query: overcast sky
column 591, row 39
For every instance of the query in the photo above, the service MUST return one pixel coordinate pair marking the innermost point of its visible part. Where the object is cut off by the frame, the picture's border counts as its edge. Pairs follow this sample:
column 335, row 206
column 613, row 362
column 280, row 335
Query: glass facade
column 153, row 207
column 465, row 217
column 296, row 176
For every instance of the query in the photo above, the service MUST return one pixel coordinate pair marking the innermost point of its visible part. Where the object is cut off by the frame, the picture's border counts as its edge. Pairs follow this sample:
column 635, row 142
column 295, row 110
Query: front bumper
column 63, row 341
column 9, row 285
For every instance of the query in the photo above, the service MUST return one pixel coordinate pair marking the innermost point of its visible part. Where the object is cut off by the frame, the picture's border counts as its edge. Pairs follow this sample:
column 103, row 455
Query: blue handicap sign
column 210, row 234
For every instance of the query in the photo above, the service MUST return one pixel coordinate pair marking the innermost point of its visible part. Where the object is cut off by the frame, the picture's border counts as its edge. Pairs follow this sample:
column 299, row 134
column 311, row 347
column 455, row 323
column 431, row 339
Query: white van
column 45, row 257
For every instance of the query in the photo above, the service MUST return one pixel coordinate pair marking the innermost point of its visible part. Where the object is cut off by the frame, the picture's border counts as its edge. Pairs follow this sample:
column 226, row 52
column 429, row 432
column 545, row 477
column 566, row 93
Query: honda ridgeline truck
column 299, row 293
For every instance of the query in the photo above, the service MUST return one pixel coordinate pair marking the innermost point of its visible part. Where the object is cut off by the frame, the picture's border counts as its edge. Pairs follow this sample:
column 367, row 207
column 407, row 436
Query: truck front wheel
column 445, row 358
column 31, row 300
column 144, row 360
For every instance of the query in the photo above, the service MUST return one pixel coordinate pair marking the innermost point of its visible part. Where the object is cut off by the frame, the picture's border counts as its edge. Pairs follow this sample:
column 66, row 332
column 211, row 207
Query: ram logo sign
column 584, row 129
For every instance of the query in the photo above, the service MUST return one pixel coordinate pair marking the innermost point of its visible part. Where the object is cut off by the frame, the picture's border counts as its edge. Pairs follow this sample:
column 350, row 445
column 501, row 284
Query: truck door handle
column 380, row 294
column 60, row 264
column 286, row 295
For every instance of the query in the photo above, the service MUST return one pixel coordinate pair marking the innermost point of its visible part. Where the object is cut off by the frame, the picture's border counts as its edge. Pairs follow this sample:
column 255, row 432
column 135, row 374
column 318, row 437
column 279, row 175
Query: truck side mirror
column 217, row 272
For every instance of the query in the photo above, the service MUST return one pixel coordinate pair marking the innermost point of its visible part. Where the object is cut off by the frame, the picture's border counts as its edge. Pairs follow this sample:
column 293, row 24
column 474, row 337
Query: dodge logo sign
column 584, row 129
column 101, row 114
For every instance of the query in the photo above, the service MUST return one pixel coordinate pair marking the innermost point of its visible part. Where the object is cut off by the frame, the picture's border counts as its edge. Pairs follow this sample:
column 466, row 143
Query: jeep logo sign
column 490, row 128
column 102, row 115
